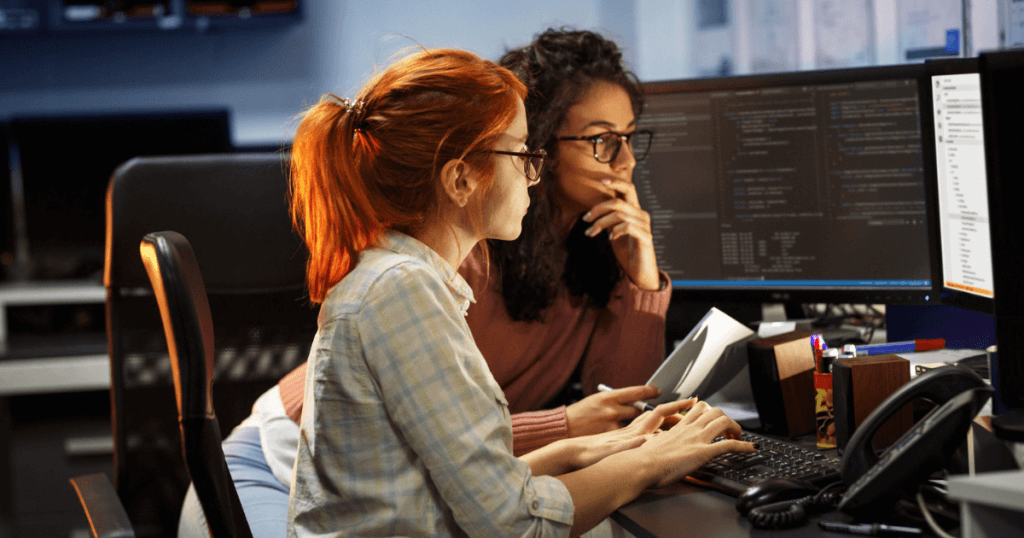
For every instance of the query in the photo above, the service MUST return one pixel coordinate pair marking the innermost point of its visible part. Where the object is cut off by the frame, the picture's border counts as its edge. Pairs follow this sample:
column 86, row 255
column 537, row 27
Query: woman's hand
column 590, row 449
column 629, row 229
column 687, row 445
column 606, row 411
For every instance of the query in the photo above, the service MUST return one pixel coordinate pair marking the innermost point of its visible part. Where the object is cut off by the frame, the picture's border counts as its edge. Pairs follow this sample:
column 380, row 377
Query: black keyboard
column 733, row 473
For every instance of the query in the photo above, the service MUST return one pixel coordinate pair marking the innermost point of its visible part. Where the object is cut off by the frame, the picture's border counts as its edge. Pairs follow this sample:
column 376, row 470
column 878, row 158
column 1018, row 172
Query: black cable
column 788, row 514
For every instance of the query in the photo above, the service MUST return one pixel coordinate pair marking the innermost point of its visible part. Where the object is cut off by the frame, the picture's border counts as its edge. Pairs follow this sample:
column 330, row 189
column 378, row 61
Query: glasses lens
column 534, row 166
column 641, row 144
column 606, row 147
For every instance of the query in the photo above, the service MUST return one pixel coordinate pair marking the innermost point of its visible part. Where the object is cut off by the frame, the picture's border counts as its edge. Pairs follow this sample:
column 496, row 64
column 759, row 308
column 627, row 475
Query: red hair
column 360, row 168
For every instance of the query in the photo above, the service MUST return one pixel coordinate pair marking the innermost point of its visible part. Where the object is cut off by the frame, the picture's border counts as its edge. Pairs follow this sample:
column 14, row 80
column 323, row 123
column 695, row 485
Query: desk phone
column 874, row 482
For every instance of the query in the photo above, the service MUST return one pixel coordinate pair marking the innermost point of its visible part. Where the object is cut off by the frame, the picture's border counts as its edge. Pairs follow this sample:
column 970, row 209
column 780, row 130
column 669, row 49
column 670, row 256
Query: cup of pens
column 823, row 410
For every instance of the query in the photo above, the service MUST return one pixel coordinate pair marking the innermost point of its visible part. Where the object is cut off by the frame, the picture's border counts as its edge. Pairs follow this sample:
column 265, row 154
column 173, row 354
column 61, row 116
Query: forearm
column 600, row 489
column 551, row 460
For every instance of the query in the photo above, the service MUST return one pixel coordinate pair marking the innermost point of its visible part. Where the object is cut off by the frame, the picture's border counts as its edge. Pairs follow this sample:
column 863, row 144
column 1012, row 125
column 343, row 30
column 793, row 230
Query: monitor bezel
column 928, row 295
column 1002, row 131
column 952, row 66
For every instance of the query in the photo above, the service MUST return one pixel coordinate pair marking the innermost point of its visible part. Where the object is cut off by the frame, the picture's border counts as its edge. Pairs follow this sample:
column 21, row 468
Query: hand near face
column 604, row 189
column 629, row 230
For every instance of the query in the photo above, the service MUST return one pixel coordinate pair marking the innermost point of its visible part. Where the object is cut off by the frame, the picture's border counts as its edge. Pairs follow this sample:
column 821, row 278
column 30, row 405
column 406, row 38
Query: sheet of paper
column 844, row 33
column 705, row 361
column 938, row 356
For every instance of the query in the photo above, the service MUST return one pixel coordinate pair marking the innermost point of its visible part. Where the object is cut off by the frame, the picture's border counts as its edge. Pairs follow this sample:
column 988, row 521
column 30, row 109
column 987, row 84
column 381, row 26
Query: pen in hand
column 639, row 404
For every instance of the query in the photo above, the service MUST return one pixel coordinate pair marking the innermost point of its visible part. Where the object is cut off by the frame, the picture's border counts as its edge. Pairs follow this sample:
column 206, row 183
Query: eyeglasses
column 608, row 144
column 533, row 163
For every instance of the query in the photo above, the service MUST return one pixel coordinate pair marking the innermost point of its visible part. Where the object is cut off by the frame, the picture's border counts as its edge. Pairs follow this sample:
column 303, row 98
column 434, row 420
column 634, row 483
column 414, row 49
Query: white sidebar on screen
column 963, row 192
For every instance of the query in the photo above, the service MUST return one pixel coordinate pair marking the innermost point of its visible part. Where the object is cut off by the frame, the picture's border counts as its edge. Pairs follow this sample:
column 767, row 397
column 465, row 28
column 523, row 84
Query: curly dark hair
column 558, row 67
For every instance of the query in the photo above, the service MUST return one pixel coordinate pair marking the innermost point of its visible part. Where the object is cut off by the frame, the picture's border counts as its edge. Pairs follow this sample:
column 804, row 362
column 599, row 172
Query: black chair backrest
column 188, row 327
column 233, row 209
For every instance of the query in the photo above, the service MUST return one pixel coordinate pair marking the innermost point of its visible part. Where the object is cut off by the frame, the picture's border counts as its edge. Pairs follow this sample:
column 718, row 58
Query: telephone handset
column 877, row 481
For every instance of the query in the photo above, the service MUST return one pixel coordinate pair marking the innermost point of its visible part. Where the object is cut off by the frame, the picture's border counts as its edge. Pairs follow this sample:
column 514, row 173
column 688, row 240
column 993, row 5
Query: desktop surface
column 689, row 510
column 686, row 509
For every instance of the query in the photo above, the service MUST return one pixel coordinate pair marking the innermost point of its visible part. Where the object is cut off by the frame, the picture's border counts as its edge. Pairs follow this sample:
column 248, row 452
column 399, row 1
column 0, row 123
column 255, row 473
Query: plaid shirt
column 404, row 431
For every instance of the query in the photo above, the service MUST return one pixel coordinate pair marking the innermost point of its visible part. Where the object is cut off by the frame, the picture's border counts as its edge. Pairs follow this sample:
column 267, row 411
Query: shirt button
column 535, row 504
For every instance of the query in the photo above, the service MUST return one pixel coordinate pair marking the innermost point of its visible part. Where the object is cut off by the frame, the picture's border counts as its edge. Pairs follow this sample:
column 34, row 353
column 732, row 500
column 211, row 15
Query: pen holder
column 823, row 411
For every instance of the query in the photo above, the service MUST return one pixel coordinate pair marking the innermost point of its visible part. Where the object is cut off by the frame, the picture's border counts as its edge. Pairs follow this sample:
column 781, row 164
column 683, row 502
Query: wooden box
column 859, row 384
column 782, row 382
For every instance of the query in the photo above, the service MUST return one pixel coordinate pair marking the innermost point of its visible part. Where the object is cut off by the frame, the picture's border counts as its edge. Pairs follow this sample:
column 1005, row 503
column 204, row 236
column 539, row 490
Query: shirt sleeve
column 437, row 389
column 628, row 342
column 534, row 429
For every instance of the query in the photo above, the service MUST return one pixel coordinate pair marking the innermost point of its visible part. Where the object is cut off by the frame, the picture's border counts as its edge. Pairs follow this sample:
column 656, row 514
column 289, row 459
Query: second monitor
column 801, row 186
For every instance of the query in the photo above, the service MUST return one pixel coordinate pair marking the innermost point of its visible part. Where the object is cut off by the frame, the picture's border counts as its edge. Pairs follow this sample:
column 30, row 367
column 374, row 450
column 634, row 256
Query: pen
column 870, row 529
column 902, row 347
column 641, row 405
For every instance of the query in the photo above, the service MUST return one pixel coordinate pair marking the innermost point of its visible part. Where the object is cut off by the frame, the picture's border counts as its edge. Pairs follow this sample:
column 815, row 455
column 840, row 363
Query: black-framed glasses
column 533, row 163
column 608, row 144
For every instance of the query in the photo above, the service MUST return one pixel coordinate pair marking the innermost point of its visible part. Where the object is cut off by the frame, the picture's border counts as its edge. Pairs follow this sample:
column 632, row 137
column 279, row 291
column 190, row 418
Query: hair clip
column 349, row 104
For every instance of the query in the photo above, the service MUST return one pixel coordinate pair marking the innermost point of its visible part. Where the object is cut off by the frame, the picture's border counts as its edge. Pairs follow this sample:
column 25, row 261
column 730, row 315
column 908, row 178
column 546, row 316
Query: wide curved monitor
column 805, row 186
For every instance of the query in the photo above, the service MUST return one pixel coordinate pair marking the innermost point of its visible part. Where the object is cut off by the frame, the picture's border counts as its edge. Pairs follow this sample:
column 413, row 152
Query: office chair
column 188, row 326
column 233, row 209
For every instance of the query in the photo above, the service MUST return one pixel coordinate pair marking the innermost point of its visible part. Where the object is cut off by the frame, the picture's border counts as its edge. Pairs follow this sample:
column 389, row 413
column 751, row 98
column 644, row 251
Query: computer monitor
column 1002, row 77
column 802, row 187
column 64, row 166
column 954, row 152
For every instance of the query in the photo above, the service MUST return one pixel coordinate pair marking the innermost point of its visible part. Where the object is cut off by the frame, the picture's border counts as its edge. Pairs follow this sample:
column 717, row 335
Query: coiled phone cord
column 787, row 514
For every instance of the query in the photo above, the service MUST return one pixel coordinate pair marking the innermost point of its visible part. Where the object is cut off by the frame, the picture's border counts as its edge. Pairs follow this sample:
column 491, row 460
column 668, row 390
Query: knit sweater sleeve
column 534, row 429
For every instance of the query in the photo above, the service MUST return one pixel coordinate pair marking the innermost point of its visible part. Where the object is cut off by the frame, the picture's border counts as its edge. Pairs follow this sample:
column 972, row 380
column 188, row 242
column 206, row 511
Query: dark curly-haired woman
column 582, row 280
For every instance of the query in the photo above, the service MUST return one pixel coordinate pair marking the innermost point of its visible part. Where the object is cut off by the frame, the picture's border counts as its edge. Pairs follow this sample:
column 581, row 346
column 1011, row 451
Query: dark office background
column 265, row 74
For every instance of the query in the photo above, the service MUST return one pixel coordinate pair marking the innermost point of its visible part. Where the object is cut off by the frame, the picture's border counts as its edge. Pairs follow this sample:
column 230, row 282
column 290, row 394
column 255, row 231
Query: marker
column 870, row 529
column 818, row 348
column 909, row 346
column 640, row 405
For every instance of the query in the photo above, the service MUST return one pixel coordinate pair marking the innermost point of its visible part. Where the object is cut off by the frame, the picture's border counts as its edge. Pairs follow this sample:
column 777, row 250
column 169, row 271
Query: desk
column 694, row 511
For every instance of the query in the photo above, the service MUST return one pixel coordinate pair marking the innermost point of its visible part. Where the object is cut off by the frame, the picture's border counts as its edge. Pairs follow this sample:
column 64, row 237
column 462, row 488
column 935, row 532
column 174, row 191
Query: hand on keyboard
column 734, row 473
column 690, row 443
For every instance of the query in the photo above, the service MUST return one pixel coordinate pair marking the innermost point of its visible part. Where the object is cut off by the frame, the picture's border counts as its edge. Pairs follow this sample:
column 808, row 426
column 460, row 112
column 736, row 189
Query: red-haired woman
column 404, row 431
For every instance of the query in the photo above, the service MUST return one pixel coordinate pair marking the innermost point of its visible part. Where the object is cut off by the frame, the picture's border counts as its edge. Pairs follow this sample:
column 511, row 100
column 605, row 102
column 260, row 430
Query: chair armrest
column 103, row 508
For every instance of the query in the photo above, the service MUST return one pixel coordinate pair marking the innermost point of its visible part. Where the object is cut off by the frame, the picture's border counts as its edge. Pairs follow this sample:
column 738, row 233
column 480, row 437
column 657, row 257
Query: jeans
column 264, row 498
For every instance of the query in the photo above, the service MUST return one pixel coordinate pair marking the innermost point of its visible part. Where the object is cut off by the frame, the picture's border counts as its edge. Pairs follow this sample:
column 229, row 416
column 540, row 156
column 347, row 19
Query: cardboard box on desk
column 782, row 381
column 859, row 384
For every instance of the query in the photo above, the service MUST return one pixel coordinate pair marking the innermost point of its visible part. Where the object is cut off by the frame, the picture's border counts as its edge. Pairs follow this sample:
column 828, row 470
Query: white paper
column 945, row 355
column 707, row 359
